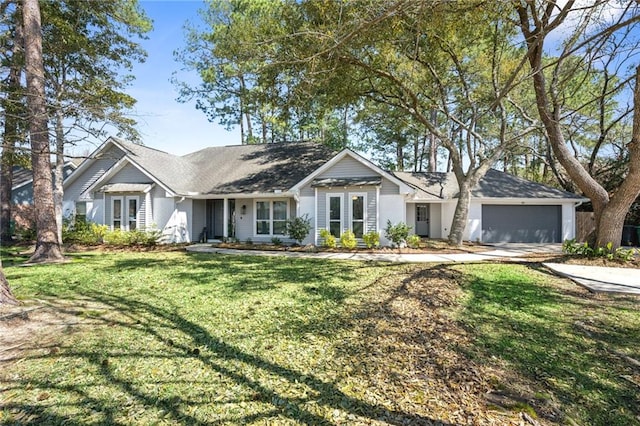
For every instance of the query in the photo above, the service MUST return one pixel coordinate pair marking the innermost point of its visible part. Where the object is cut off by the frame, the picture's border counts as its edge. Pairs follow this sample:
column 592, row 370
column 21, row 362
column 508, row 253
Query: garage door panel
column 521, row 224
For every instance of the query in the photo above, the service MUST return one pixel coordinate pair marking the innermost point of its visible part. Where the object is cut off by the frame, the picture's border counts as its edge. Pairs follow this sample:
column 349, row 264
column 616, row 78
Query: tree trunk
column 6, row 298
column 609, row 211
column 459, row 222
column 610, row 221
column 47, row 246
column 12, row 110
column 58, row 175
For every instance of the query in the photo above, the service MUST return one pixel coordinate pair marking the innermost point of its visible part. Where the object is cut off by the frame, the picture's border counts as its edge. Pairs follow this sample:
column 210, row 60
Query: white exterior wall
column 307, row 206
column 568, row 221
column 178, row 227
column 95, row 211
column 393, row 208
column 411, row 217
column 435, row 220
column 473, row 230
column 448, row 209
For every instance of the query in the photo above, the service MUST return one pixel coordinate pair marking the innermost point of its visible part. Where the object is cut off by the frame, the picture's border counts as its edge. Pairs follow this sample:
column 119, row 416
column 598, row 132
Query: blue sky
column 165, row 123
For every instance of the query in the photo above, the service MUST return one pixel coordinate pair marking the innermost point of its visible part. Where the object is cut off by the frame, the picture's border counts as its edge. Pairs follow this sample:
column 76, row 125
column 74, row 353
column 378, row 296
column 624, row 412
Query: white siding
column 393, row 208
column 307, row 205
column 435, row 220
column 348, row 167
column 129, row 174
column 244, row 222
column 568, row 221
column 473, row 231
column 389, row 188
column 75, row 190
column 448, row 209
column 95, row 211
column 411, row 217
column 371, row 208
column 162, row 206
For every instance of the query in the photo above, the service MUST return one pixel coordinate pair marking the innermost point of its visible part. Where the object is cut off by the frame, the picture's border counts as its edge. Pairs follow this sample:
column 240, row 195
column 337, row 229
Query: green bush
column 137, row 237
column 298, row 228
column 413, row 241
column 82, row 232
column 328, row 240
column 371, row 239
column 607, row 252
column 397, row 234
column 276, row 241
column 348, row 240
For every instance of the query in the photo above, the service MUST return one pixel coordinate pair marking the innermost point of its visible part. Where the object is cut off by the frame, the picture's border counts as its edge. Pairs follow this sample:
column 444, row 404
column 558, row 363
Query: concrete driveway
column 600, row 279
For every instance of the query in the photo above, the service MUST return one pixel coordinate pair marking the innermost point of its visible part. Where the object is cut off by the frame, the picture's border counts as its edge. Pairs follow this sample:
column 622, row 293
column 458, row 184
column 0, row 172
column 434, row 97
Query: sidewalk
column 500, row 252
column 594, row 278
column 600, row 279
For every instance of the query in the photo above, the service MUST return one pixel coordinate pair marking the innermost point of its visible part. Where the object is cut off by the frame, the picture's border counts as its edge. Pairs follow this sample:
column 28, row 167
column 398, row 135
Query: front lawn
column 178, row 338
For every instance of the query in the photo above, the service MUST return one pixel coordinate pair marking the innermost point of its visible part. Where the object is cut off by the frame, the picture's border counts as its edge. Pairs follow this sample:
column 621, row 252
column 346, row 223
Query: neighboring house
column 22, row 213
column 22, row 186
column 250, row 191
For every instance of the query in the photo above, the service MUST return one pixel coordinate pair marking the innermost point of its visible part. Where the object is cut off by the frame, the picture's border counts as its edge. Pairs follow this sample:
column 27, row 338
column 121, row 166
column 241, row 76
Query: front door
column 215, row 219
column 422, row 220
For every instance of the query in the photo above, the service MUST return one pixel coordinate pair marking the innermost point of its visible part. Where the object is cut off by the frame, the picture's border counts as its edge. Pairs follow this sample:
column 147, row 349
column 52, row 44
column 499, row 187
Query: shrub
column 348, row 239
column 276, row 241
column 413, row 241
column 607, row 252
column 137, row 237
column 397, row 234
column 328, row 240
column 371, row 239
column 82, row 232
column 298, row 228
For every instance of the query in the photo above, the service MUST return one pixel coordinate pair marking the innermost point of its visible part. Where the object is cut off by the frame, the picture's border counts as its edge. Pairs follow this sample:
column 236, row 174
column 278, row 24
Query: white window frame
column 271, row 201
column 364, row 211
column 111, row 222
column 328, row 211
column 124, row 211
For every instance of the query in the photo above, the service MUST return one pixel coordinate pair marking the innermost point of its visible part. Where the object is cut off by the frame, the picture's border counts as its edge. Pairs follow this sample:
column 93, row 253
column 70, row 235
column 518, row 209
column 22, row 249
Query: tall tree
column 592, row 27
column 47, row 245
column 447, row 65
column 236, row 89
column 88, row 46
column 12, row 104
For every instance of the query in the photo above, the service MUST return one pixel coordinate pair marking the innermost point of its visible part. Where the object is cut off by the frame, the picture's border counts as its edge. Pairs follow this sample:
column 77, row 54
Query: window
column 422, row 213
column 132, row 204
column 357, row 214
column 271, row 217
column 116, row 213
column 124, row 213
column 279, row 217
column 81, row 212
column 263, row 218
column 334, row 215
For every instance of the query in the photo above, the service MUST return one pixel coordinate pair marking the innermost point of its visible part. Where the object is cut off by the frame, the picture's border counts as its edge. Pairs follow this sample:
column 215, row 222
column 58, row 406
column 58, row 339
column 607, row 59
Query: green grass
column 570, row 343
column 180, row 338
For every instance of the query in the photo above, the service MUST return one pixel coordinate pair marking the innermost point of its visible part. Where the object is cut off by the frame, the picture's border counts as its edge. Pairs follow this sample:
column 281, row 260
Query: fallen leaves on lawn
column 409, row 349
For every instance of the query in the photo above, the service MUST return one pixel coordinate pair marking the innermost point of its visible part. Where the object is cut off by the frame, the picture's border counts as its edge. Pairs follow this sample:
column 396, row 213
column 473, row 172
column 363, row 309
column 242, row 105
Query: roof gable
column 404, row 187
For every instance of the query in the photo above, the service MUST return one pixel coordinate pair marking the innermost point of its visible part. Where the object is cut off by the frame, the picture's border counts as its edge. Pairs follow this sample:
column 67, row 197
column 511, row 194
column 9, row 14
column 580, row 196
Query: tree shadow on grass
column 562, row 339
column 190, row 342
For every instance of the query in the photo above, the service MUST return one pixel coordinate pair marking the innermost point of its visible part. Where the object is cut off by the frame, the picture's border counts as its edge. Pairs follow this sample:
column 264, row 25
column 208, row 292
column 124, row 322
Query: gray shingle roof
column 232, row 169
column 495, row 184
